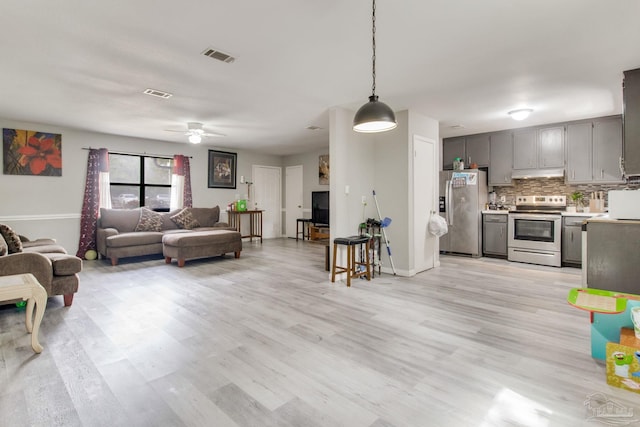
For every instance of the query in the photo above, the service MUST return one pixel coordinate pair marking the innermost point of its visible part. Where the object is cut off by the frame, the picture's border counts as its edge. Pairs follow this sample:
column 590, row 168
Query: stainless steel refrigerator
column 463, row 196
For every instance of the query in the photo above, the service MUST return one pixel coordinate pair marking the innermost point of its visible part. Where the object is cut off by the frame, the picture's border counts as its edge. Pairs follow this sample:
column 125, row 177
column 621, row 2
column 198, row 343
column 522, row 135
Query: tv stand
column 318, row 231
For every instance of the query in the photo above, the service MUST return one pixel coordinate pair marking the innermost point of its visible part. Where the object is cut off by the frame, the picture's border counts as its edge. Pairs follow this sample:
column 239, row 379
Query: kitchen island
column 612, row 254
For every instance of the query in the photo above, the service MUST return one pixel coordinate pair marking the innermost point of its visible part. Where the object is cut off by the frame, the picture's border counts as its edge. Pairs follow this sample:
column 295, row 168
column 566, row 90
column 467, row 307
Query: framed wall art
column 222, row 169
column 323, row 169
column 29, row 152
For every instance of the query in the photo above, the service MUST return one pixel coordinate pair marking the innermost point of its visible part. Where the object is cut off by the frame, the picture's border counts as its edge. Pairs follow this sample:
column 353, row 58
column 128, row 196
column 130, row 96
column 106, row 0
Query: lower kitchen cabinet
column 572, row 239
column 494, row 235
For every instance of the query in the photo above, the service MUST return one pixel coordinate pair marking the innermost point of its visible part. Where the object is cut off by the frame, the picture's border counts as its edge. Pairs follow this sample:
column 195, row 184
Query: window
column 140, row 181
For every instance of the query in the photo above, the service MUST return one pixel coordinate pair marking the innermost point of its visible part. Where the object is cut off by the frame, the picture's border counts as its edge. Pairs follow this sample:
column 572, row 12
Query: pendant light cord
column 373, row 58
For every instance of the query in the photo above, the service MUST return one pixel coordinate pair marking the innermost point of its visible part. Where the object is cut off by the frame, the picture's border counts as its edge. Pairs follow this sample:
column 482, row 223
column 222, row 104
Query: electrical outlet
column 364, row 200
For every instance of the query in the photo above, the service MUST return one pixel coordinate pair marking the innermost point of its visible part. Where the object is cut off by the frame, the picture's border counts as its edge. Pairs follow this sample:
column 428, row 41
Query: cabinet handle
column 601, row 173
column 573, row 174
column 501, row 231
column 571, row 236
column 469, row 162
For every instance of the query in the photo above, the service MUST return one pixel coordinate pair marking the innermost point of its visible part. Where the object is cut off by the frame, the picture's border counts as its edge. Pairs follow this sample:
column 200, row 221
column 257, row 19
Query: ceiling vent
column 220, row 56
column 158, row 93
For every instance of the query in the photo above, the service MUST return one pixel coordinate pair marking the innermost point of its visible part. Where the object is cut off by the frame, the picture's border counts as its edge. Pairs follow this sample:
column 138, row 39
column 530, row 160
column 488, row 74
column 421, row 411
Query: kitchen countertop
column 499, row 212
column 605, row 218
column 589, row 214
column 585, row 214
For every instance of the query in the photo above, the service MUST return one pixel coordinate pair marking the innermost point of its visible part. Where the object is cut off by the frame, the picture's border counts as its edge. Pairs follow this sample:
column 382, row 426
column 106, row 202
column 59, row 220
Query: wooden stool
column 306, row 222
column 351, row 269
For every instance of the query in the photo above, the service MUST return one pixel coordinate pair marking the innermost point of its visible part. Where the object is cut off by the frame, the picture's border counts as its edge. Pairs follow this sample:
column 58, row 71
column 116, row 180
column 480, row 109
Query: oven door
column 535, row 231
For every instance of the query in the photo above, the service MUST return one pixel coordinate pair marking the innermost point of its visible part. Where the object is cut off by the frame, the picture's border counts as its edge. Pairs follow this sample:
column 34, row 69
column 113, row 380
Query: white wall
column 380, row 162
column 311, row 182
column 50, row 206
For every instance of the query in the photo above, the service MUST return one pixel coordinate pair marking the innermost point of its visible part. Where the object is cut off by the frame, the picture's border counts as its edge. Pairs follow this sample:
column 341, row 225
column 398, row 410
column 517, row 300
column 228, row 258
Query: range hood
column 537, row 173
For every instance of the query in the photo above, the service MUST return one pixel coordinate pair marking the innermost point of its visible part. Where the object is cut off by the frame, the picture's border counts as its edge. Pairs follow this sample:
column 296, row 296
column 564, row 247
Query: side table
column 255, row 223
column 26, row 287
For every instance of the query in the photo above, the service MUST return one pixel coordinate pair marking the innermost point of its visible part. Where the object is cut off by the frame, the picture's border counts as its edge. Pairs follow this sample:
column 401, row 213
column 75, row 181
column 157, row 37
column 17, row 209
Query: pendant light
column 374, row 116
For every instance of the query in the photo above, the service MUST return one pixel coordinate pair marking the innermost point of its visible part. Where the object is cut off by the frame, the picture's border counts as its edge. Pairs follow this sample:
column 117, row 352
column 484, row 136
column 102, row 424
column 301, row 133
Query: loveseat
column 125, row 233
column 49, row 262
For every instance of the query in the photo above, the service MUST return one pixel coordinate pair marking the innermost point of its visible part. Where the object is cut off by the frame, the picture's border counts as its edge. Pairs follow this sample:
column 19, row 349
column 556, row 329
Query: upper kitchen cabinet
column 538, row 148
column 551, row 147
column 632, row 122
column 501, row 158
column 594, row 149
column 477, row 150
column 607, row 150
column 524, row 149
column 579, row 152
column 471, row 149
column 452, row 148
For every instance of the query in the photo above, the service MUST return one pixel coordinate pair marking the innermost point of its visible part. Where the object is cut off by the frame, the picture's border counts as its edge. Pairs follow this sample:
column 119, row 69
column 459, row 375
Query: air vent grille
column 220, row 56
column 158, row 93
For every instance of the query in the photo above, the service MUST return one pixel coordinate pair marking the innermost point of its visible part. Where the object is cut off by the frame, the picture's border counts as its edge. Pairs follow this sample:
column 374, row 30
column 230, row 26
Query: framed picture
column 323, row 170
column 222, row 169
column 29, row 152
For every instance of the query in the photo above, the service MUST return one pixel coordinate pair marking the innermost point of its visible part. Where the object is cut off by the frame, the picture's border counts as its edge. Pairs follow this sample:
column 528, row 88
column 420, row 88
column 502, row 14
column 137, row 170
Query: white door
column 425, row 183
column 267, row 195
column 294, row 196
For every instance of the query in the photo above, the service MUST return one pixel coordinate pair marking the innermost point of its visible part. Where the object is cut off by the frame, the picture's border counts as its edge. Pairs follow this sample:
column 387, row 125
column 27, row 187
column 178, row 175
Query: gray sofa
column 49, row 262
column 123, row 233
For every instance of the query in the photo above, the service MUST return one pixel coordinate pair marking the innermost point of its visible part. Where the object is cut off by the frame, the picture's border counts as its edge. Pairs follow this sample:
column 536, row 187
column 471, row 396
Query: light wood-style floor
column 268, row 340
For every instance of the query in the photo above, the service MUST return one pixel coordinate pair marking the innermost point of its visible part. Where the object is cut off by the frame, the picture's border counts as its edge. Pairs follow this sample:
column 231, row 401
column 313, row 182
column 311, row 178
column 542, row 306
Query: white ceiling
column 85, row 64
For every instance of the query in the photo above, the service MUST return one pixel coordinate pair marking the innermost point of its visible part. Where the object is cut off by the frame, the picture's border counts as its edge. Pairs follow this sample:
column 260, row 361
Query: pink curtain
column 181, row 183
column 97, row 169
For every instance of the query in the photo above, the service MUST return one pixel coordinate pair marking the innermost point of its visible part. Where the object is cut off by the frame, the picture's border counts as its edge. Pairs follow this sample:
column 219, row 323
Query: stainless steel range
column 535, row 228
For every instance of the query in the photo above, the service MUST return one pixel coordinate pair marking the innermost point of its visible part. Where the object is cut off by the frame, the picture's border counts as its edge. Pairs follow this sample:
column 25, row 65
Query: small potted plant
column 578, row 198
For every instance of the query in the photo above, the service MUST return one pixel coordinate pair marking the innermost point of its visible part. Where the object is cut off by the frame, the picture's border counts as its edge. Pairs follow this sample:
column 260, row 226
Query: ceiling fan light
column 520, row 114
column 195, row 139
column 374, row 116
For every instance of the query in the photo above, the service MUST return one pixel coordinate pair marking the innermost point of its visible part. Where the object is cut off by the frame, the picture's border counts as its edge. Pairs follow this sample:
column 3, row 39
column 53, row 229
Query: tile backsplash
column 554, row 186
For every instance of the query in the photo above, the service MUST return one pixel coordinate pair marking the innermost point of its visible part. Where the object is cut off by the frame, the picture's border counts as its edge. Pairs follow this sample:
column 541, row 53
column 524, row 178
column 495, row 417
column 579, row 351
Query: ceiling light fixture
column 520, row 114
column 374, row 116
column 195, row 138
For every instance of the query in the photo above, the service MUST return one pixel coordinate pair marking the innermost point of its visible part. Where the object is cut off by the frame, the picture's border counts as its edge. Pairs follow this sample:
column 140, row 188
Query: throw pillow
column 14, row 244
column 184, row 219
column 3, row 246
column 149, row 221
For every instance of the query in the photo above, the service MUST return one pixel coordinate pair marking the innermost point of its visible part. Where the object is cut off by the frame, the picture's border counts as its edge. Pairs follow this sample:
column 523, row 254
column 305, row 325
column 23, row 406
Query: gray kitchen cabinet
column 524, row 149
column 607, row 150
column 538, row 148
column 500, row 158
column 494, row 235
column 551, row 147
column 594, row 150
column 612, row 262
column 452, row 148
column 477, row 150
column 631, row 95
column 471, row 149
column 572, row 239
column 579, row 152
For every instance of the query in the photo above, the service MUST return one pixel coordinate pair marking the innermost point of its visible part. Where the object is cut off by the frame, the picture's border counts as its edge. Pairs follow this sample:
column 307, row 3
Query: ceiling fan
column 196, row 132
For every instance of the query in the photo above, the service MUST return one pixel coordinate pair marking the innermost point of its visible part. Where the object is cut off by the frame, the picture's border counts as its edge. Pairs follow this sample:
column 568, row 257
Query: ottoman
column 199, row 244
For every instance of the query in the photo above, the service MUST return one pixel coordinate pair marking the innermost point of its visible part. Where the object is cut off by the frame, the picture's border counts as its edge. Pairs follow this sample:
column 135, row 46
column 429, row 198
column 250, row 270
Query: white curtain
column 180, row 183
column 177, row 192
column 104, row 190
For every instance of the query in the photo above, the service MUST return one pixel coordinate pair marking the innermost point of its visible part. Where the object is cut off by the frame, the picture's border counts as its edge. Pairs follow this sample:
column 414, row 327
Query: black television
column 320, row 207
